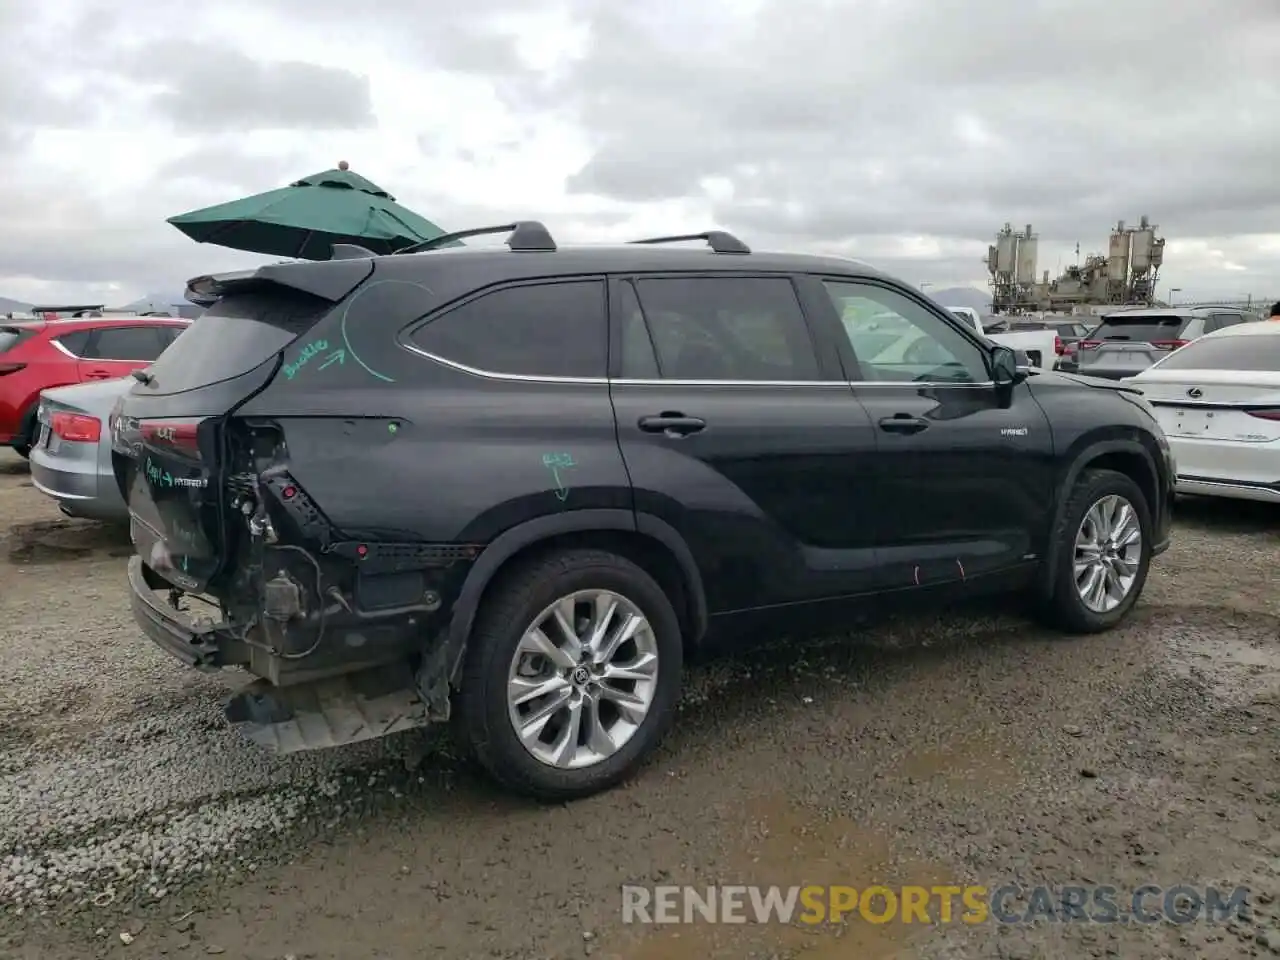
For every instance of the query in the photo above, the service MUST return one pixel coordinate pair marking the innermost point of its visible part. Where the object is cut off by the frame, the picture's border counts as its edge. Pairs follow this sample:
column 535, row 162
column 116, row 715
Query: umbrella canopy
column 306, row 218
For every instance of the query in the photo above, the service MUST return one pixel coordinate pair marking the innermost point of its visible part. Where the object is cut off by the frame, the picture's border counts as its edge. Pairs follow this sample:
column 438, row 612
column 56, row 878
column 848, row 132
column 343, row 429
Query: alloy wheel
column 1108, row 551
column 582, row 679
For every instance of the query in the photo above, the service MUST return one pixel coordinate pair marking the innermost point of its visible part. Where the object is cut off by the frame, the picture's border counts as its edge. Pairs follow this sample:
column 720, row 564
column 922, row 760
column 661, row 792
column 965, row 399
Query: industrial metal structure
column 1125, row 275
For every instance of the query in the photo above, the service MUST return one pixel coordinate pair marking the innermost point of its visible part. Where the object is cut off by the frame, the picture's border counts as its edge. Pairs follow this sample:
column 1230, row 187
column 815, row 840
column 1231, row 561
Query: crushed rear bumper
column 199, row 647
column 328, row 712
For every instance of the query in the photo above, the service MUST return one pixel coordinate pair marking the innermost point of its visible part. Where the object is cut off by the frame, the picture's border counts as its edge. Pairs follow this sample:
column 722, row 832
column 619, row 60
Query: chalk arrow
column 338, row 356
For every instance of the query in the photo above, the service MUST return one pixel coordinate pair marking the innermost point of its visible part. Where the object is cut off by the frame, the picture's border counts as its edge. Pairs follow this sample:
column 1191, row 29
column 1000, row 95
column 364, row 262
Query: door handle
column 672, row 424
column 903, row 423
column 99, row 375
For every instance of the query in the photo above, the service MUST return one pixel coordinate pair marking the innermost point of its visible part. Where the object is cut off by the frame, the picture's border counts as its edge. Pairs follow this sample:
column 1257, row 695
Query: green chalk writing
column 158, row 475
column 309, row 352
column 556, row 462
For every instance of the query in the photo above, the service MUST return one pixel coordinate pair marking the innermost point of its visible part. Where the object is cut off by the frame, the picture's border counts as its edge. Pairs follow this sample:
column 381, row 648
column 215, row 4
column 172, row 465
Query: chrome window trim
column 58, row 345
column 660, row 382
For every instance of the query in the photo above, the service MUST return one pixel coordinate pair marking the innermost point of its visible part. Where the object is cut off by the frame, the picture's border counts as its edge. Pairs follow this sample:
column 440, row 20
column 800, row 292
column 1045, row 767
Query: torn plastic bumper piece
column 328, row 713
column 195, row 646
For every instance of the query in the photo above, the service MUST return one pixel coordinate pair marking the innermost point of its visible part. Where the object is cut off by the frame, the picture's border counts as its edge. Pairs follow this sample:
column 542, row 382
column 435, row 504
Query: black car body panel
column 356, row 477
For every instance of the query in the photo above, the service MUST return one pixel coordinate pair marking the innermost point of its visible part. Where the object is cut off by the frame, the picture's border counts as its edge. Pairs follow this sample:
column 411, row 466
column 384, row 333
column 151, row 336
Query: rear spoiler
column 327, row 279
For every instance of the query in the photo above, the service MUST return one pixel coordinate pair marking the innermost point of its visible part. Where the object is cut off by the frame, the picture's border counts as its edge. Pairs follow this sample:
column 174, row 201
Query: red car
column 38, row 354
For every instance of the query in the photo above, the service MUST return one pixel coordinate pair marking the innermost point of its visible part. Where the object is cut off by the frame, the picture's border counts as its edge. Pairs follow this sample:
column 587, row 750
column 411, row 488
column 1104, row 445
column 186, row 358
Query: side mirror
column 1004, row 366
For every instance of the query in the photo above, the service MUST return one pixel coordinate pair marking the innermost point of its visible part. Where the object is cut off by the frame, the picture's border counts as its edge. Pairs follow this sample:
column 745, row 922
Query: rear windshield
column 1149, row 328
column 233, row 336
column 1227, row 353
column 10, row 337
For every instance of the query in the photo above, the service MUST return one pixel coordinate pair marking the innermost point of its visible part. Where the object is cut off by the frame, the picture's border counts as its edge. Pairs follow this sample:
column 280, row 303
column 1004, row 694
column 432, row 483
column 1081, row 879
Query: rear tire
column 504, row 665
column 1090, row 593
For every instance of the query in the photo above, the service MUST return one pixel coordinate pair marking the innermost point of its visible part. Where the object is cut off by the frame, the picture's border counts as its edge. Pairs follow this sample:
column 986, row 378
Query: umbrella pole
column 302, row 247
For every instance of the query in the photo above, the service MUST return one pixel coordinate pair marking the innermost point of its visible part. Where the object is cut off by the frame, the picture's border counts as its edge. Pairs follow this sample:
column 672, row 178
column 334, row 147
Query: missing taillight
column 76, row 427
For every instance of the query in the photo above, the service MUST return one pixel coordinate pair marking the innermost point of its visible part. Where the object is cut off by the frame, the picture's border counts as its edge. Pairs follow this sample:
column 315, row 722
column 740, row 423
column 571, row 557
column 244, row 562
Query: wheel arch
column 1126, row 456
column 647, row 541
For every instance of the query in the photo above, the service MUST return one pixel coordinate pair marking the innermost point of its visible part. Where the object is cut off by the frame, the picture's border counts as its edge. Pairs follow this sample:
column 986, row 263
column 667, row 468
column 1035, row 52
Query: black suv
column 518, row 488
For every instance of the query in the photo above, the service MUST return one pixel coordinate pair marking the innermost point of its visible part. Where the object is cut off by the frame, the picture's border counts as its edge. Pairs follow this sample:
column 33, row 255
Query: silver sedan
column 71, row 458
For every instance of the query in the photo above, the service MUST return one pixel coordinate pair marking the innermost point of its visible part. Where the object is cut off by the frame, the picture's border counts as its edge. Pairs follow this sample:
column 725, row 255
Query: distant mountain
column 12, row 306
column 155, row 302
column 962, row 297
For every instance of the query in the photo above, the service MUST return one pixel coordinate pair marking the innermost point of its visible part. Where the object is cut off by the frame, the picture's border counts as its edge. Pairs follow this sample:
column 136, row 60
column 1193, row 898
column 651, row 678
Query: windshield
column 1145, row 328
column 1227, row 353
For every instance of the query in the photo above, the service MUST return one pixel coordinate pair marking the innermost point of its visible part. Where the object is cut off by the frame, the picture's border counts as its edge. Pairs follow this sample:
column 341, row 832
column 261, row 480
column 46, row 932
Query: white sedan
column 1218, row 400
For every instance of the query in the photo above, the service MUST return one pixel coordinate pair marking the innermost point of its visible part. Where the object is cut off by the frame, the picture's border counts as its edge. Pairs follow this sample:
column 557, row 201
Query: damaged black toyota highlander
column 515, row 488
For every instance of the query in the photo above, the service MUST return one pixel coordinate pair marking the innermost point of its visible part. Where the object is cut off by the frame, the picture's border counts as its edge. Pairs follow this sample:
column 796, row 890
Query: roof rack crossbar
column 526, row 235
column 719, row 241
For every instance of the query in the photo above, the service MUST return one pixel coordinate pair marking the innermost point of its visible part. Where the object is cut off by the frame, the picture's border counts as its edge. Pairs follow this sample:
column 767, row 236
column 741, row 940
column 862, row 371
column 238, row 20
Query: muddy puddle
column 1237, row 658
column 57, row 541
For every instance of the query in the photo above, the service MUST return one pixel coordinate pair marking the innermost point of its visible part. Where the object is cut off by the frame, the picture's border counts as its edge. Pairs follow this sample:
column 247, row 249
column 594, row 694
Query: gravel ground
column 969, row 747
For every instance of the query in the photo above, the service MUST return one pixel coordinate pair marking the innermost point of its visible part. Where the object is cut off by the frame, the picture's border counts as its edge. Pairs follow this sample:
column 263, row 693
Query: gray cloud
column 798, row 123
column 212, row 87
column 232, row 171
column 834, row 121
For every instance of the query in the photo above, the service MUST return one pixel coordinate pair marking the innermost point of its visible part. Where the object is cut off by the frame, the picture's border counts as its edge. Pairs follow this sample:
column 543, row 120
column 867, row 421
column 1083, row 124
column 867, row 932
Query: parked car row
column 36, row 355
column 58, row 381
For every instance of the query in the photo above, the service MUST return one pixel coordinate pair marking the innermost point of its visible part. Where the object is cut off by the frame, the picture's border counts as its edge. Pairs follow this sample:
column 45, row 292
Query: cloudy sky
column 904, row 132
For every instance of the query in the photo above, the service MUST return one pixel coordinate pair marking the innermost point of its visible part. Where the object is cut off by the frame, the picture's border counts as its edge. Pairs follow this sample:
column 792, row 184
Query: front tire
column 1103, row 553
column 572, row 675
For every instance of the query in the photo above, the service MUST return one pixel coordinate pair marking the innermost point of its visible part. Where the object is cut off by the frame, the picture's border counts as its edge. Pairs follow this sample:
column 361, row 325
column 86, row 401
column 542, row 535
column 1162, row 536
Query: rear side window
column 1252, row 353
column 728, row 328
column 532, row 330
column 1219, row 320
column 74, row 343
column 10, row 337
column 126, row 343
column 233, row 336
column 1148, row 329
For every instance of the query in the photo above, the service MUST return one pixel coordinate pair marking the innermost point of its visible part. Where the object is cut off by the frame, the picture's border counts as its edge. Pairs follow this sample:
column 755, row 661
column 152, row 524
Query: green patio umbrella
column 306, row 218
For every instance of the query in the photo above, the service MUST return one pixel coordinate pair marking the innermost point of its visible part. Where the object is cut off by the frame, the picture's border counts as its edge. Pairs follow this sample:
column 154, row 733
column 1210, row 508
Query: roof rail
column 717, row 240
column 350, row 251
column 527, row 235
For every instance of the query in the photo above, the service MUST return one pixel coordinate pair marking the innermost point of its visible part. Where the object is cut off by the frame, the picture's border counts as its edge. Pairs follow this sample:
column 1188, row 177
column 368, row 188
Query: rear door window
column 1220, row 320
column 555, row 329
column 1146, row 329
column 728, row 328
column 235, row 335
column 126, row 343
